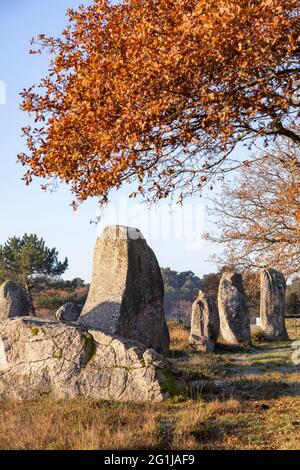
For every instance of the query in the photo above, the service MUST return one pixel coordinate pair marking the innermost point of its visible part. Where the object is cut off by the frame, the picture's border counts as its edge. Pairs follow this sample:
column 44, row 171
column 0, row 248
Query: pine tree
column 27, row 259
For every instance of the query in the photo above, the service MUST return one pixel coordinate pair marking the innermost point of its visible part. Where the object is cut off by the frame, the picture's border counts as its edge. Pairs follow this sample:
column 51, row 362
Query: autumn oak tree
column 258, row 214
column 159, row 93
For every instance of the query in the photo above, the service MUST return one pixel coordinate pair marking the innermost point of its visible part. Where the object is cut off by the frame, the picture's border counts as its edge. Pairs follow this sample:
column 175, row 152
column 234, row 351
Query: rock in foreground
column 272, row 305
column 126, row 295
column 40, row 358
column 205, row 324
column 233, row 310
column 13, row 301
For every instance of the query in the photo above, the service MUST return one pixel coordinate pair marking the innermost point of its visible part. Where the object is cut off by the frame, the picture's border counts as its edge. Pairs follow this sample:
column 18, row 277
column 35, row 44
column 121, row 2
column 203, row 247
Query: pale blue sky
column 174, row 235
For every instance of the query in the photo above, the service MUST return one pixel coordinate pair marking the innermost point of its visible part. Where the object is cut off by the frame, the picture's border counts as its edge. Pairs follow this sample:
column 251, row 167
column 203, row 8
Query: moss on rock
column 90, row 346
column 35, row 330
column 170, row 384
column 58, row 354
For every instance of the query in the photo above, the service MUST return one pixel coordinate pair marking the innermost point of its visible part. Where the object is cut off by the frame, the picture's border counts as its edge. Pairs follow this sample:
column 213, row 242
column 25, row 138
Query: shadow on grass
column 213, row 431
column 178, row 354
column 228, row 349
column 243, row 389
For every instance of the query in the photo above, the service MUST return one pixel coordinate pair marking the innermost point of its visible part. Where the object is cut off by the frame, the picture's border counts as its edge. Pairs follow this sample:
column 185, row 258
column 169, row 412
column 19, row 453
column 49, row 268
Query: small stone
column 233, row 310
column 13, row 301
column 272, row 305
column 205, row 324
column 69, row 312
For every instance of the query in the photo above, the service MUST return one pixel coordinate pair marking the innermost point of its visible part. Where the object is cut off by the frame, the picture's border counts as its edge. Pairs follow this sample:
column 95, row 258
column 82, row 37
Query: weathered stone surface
column 13, row 301
column 205, row 324
column 69, row 312
column 233, row 310
column 126, row 295
column 272, row 304
column 40, row 358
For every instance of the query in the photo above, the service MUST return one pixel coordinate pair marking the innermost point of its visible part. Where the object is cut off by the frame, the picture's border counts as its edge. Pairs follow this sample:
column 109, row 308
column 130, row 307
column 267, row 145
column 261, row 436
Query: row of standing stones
column 115, row 347
column 230, row 322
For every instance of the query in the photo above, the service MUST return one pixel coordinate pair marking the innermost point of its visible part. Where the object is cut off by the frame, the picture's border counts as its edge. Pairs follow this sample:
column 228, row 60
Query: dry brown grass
column 179, row 335
column 76, row 424
column 218, row 424
column 261, row 411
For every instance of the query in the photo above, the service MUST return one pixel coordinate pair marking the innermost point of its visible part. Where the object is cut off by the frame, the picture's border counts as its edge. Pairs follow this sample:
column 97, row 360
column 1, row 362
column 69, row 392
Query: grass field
column 243, row 399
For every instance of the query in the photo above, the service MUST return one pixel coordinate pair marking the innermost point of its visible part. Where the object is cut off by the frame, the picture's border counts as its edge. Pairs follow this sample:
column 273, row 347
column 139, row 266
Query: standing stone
column 13, row 301
column 126, row 295
column 233, row 310
column 272, row 304
column 69, row 312
column 205, row 324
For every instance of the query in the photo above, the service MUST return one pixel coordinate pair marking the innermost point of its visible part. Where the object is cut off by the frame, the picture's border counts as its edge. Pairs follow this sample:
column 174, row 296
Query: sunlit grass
column 253, row 402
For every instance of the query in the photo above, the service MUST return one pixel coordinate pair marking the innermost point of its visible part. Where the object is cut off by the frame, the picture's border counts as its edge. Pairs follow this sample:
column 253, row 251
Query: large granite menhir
column 272, row 304
column 233, row 310
column 205, row 324
column 40, row 358
column 13, row 301
column 126, row 295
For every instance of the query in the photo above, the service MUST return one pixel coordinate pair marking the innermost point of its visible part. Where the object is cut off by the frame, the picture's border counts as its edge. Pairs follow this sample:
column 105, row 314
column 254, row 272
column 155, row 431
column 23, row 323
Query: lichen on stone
column 90, row 346
column 58, row 354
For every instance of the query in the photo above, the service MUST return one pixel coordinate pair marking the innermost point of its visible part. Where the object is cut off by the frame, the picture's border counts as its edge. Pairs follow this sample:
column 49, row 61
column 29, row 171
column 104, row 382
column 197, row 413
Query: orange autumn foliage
column 159, row 92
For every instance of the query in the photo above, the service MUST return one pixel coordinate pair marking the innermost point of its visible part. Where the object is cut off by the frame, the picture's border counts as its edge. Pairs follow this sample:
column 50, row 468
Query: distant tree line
column 181, row 289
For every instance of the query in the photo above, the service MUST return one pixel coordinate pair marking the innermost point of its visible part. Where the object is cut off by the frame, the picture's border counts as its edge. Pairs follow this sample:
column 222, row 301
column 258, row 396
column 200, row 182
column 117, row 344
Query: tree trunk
column 30, row 300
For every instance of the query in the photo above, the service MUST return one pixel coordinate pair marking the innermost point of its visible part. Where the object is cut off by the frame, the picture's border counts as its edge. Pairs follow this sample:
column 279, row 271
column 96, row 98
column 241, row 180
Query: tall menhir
column 272, row 304
column 126, row 296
